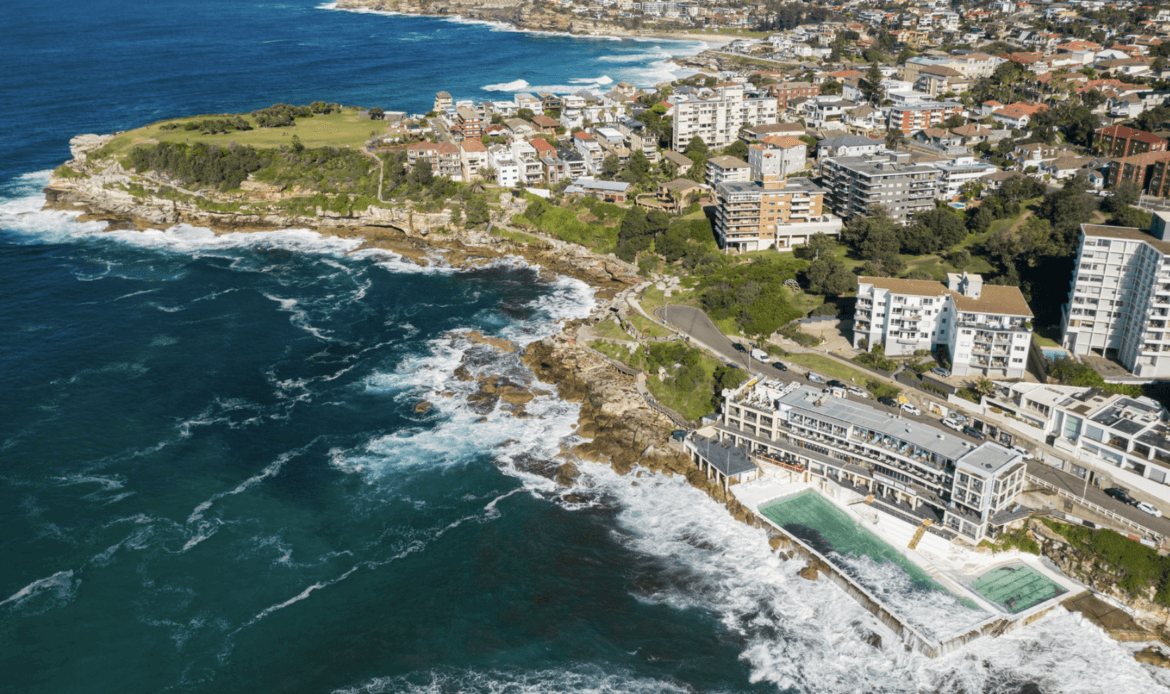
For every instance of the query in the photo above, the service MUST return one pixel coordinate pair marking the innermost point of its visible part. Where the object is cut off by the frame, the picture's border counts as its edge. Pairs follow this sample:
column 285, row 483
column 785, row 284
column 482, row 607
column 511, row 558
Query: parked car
column 1121, row 495
column 974, row 433
column 857, row 391
column 759, row 355
column 738, row 347
column 815, row 377
column 907, row 407
column 939, row 371
column 888, row 402
column 1149, row 508
column 837, row 384
column 952, row 424
column 1023, row 451
column 780, row 365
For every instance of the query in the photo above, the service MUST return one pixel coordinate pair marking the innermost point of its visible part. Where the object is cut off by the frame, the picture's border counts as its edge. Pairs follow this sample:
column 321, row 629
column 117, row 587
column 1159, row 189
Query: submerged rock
column 422, row 407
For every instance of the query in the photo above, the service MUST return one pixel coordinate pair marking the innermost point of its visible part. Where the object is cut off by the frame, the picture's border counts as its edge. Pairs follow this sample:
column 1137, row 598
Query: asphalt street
column 695, row 323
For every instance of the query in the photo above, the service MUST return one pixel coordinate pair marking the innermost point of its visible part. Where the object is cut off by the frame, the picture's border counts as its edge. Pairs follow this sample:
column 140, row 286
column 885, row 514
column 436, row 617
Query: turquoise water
column 829, row 530
column 1017, row 587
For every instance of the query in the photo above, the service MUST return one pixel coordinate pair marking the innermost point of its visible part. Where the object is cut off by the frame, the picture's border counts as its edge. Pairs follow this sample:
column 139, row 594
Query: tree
column 818, row 245
column 737, row 149
column 1152, row 119
column 421, row 174
column 983, row 385
column 525, row 113
column 894, row 138
column 696, row 146
column 487, row 173
column 610, row 166
column 296, row 144
column 1123, row 195
column 376, row 113
column 639, row 164
column 1131, row 217
column 830, row 277
column 871, row 86
column 831, row 88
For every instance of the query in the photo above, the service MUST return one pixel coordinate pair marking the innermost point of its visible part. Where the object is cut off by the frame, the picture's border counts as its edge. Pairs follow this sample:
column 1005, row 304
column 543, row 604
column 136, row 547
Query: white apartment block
column 716, row 115
column 958, row 172
column 727, row 169
column 1119, row 298
column 985, row 329
column 858, row 184
column 1125, row 438
column 507, row 170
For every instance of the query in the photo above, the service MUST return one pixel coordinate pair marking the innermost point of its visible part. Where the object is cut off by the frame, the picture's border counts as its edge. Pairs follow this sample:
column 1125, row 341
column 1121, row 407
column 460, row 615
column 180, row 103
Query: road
column 1076, row 486
column 695, row 323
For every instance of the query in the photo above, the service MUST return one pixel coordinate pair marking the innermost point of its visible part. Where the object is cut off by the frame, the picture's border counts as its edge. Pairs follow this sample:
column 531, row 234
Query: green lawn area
column 828, row 367
column 333, row 129
column 611, row 330
column 613, row 351
column 566, row 224
column 691, row 403
column 648, row 327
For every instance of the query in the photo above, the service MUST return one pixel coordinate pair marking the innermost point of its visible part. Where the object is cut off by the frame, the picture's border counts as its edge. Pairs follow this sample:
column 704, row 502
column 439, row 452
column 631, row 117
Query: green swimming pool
column 827, row 529
column 1016, row 587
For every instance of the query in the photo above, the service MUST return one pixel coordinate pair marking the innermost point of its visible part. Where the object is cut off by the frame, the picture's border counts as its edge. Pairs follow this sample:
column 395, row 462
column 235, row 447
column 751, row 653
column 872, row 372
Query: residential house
column 683, row 162
column 473, row 156
column 545, row 125
column 505, row 165
column 443, row 101
column 1066, row 167
column 849, row 146
column 609, row 191
column 972, row 133
column 520, row 128
column 1017, row 116
column 675, row 196
column 590, row 150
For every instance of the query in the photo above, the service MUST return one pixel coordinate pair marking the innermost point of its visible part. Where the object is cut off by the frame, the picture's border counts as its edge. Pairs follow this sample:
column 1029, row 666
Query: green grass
column 828, row 367
column 690, row 402
column 647, row 327
column 1046, row 341
column 565, row 224
column 611, row 330
column 333, row 130
column 622, row 354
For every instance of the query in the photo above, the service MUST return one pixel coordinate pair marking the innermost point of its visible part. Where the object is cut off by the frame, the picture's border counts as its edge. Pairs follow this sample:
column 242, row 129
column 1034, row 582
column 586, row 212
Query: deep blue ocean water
column 212, row 474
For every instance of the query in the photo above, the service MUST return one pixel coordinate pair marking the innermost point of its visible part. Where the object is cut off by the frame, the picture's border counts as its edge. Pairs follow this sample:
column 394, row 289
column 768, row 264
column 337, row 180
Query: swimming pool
column 1054, row 354
column 1016, row 587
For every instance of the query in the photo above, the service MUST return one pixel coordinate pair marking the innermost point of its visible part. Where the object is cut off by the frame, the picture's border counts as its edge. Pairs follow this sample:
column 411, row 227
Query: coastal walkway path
column 381, row 169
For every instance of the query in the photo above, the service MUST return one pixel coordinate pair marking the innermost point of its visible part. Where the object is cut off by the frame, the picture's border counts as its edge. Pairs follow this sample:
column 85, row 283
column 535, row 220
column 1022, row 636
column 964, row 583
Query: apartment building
column 786, row 91
column 590, row 150
column 443, row 157
column 985, row 329
column 1140, row 169
column 469, row 122
column 473, row 156
column 914, row 471
column 858, row 184
column 443, row 101
column 507, row 169
column 1120, row 141
column 1102, row 433
column 770, row 210
column 1119, row 297
column 793, row 152
column 716, row 115
column 958, row 172
column 531, row 168
column 912, row 117
column 727, row 169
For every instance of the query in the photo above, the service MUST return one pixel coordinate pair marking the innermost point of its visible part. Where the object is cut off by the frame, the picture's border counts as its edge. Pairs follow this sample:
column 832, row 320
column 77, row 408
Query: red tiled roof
column 1131, row 134
column 473, row 145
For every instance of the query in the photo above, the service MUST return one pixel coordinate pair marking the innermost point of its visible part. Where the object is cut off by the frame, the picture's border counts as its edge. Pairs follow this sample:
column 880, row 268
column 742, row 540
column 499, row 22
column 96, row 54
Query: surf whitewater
column 219, row 441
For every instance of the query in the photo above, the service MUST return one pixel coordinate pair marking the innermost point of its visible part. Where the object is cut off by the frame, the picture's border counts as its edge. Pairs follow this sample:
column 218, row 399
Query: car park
column 1148, row 508
column 1121, row 495
column 952, row 424
column 974, row 433
column 888, row 402
column 939, row 371
column 815, row 377
column 907, row 407
column 780, row 365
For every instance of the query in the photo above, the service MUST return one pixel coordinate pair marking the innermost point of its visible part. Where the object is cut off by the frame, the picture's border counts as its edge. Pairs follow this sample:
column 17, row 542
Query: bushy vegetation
column 200, row 165
column 1071, row 372
column 1138, row 568
column 876, row 361
column 211, row 126
column 692, row 388
column 752, row 293
column 1016, row 539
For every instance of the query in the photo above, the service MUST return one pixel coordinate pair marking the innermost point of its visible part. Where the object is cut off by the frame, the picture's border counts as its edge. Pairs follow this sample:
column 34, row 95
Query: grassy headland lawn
column 326, row 130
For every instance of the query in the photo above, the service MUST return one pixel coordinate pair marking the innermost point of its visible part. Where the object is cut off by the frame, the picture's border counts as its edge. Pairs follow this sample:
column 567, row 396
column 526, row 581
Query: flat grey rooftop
column 988, row 458
column 848, row 413
column 728, row 459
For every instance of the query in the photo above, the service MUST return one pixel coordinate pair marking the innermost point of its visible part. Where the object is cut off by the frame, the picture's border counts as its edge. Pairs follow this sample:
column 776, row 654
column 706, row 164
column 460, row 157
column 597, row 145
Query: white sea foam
column 810, row 636
column 586, row 679
column 298, row 317
column 201, row 529
column 44, row 593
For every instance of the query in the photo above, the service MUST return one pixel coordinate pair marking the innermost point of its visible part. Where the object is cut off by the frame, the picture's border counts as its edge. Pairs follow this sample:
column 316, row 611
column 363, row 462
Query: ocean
column 213, row 477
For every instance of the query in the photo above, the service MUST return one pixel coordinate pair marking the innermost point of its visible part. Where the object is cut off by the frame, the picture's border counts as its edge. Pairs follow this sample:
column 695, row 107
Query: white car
column 1023, row 451
column 953, row 424
column 1143, row 506
column 858, row 392
column 907, row 407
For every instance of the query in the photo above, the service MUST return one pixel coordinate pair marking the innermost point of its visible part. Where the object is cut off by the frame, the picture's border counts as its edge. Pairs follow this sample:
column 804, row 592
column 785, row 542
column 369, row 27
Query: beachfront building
column 985, row 329
column 716, row 115
column 858, row 184
column 507, row 169
column 1119, row 299
column 915, row 471
column 1101, row 432
column 727, row 169
column 590, row 151
column 473, row 156
column 443, row 158
column 770, row 210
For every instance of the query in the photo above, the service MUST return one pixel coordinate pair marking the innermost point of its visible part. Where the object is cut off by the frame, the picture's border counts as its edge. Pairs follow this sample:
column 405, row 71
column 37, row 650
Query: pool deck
column 952, row 566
